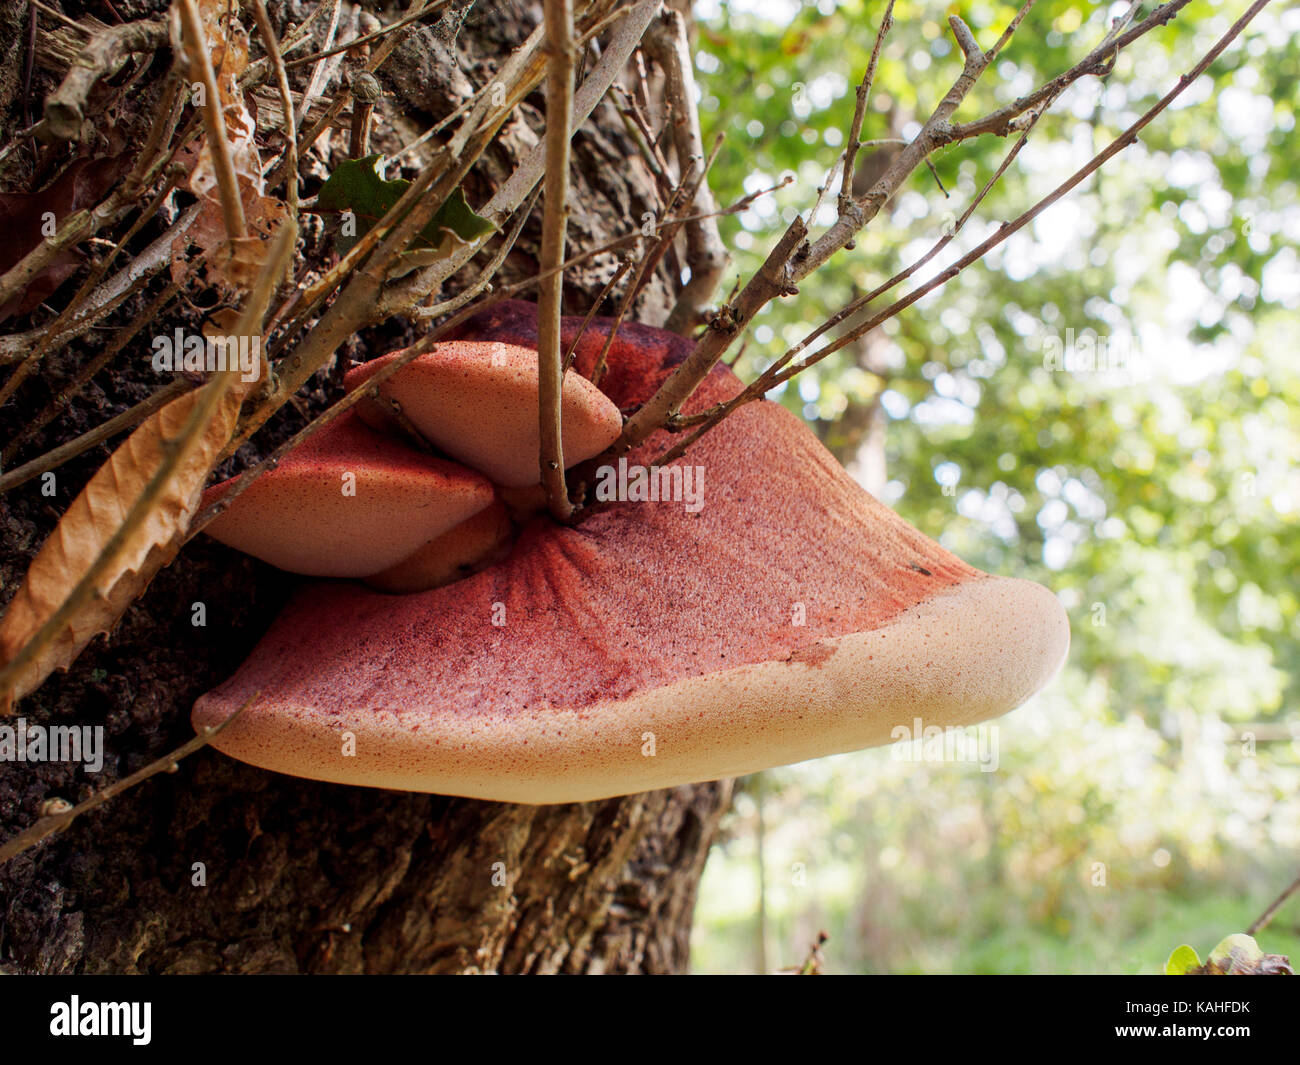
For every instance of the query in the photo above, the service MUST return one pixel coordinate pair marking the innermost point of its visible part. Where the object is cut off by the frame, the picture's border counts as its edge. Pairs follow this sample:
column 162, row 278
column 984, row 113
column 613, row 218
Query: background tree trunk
column 222, row 867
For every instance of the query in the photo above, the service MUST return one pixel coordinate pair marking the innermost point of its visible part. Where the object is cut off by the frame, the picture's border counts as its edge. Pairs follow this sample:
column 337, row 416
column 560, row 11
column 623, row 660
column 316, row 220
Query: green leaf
column 357, row 187
column 1181, row 960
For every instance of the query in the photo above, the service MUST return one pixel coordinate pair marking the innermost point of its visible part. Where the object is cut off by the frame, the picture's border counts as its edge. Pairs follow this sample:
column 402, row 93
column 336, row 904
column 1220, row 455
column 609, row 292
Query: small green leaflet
column 357, row 187
column 1181, row 960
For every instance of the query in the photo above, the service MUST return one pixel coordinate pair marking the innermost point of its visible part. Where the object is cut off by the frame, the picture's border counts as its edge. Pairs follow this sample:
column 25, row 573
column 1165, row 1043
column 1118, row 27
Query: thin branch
column 627, row 33
column 273, row 52
column 638, row 128
column 103, row 54
column 158, row 254
column 1098, row 61
column 59, row 16
column 360, row 301
column 121, row 338
column 366, row 91
column 1264, row 918
column 555, row 221
column 522, row 71
column 128, row 419
column 864, row 300
column 860, row 108
column 1014, row 24
column 55, row 333
column 625, row 264
column 791, row 260
column 196, row 50
column 321, row 72
column 706, row 255
column 83, row 224
column 794, row 258
column 20, row 138
column 484, row 280
column 174, row 453
column 431, row 8
column 666, row 230
column 58, row 822
column 377, row 60
column 1128, row 137
column 255, row 73
column 331, row 414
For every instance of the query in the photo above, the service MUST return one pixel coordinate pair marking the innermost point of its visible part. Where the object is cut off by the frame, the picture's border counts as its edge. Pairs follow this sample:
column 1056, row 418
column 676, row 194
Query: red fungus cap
column 477, row 401
column 348, row 502
column 788, row 616
column 455, row 554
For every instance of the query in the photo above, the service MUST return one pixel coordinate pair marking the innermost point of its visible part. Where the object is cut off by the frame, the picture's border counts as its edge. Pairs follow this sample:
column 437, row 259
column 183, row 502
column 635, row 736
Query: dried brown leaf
column 93, row 519
column 231, row 264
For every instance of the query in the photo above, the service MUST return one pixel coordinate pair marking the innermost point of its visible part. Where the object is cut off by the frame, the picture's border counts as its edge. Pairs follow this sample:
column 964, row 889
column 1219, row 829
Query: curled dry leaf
column 236, row 264
column 96, row 515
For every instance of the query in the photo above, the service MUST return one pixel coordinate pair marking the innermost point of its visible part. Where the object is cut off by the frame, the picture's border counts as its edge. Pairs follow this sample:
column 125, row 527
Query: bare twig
column 102, row 55
column 57, row 822
column 1264, row 918
column 158, row 254
column 1128, row 137
column 121, row 338
column 484, row 279
column 555, row 221
column 20, row 138
column 56, row 332
column 647, row 144
column 83, row 224
column 430, row 8
column 794, row 258
column 326, row 120
column 331, row 414
column 320, row 72
column 196, row 50
column 59, row 16
column 365, row 91
column 860, row 109
column 666, row 230
column 1014, row 24
column 625, row 264
column 360, row 302
column 175, row 453
column 272, row 46
column 522, row 71
column 627, row 33
column 706, row 255
column 128, row 419
column 1099, row 60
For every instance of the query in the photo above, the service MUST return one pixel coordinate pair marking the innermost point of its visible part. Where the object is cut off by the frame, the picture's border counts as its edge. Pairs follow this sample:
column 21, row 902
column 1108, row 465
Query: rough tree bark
column 303, row 876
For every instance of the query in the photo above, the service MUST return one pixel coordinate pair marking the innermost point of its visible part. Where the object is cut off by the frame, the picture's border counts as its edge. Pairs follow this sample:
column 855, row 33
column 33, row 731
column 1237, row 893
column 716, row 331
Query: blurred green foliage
column 1150, row 796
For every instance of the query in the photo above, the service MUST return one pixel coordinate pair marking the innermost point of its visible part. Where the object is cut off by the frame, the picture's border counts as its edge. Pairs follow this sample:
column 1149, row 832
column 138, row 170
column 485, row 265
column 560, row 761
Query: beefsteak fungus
column 478, row 403
column 348, row 502
column 774, row 612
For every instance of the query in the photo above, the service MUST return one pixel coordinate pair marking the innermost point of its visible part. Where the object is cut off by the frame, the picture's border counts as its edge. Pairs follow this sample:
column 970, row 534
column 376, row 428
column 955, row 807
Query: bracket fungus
column 788, row 616
column 478, row 403
column 348, row 502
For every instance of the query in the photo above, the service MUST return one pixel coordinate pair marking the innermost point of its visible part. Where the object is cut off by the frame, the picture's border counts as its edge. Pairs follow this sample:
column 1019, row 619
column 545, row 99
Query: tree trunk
column 221, row 867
